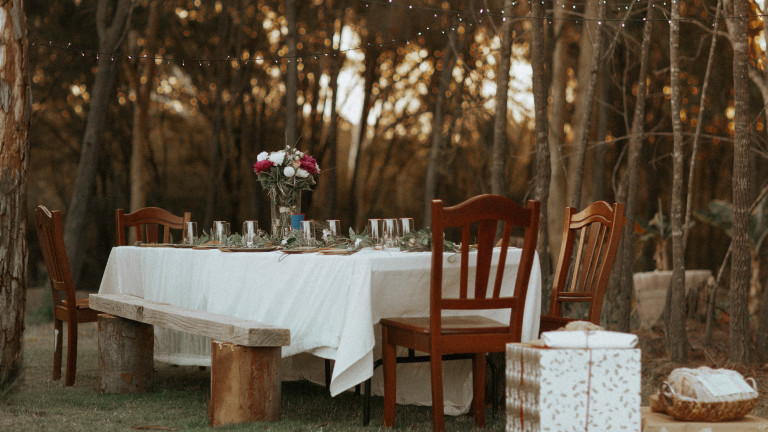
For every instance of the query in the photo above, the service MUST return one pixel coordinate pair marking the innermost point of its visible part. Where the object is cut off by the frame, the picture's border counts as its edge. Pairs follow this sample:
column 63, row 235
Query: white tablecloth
column 331, row 304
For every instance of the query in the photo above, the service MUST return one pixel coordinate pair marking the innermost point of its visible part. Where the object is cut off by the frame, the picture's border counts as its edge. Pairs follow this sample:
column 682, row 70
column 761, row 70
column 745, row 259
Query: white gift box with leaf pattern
column 573, row 389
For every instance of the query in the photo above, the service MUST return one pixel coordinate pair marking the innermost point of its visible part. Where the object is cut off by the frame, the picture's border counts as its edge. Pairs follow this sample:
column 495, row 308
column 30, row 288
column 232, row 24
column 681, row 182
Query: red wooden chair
column 587, row 252
column 440, row 335
column 147, row 222
column 66, row 307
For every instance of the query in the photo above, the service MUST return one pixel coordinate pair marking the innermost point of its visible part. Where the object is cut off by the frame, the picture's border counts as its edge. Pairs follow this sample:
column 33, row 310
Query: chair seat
column 450, row 324
column 81, row 303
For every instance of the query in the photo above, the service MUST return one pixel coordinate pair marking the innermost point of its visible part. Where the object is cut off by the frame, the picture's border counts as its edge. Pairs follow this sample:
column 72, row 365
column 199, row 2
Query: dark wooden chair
column 440, row 335
column 147, row 222
column 66, row 307
column 587, row 252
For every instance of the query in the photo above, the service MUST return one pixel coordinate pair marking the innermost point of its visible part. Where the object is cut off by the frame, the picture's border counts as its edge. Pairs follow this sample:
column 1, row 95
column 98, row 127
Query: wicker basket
column 687, row 409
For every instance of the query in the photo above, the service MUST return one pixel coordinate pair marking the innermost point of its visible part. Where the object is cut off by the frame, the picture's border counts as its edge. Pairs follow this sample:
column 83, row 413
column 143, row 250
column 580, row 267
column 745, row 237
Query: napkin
column 588, row 339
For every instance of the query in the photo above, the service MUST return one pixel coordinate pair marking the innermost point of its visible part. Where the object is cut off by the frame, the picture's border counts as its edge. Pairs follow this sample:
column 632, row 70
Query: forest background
column 167, row 103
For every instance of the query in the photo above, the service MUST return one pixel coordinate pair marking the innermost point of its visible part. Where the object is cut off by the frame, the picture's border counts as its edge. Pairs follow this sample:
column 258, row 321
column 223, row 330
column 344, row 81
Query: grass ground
column 180, row 396
column 179, row 400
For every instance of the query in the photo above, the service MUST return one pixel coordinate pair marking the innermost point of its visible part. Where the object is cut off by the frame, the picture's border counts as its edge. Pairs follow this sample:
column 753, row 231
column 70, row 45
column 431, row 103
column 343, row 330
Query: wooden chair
column 66, row 307
column 583, row 268
column 440, row 335
column 149, row 220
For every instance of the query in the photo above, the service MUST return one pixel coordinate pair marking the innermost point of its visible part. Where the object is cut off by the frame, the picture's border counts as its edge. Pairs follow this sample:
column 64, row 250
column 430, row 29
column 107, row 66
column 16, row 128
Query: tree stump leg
column 126, row 349
column 244, row 384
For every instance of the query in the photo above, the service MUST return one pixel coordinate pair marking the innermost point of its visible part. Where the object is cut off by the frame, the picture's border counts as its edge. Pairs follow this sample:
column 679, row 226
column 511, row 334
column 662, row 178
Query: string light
column 436, row 13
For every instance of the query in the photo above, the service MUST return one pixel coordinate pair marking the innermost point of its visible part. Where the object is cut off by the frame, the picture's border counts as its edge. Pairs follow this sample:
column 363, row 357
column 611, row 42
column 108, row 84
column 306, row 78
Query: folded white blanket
column 595, row 339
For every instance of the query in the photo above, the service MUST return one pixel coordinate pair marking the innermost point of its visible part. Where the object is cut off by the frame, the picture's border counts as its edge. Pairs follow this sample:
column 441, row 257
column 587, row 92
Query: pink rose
column 261, row 166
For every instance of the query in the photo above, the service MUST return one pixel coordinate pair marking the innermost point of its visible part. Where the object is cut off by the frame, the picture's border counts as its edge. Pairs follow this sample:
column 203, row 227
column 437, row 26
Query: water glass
column 334, row 226
column 406, row 226
column 389, row 234
column 189, row 236
column 250, row 233
column 308, row 231
column 374, row 230
column 221, row 232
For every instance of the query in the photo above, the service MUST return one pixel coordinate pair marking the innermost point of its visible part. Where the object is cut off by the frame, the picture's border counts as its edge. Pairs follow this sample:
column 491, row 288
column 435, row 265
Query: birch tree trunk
column 143, row 84
column 292, row 75
column 676, row 338
column 112, row 19
column 624, row 299
column 438, row 138
column 15, row 112
column 541, row 191
column 499, row 152
column 589, row 66
column 740, row 340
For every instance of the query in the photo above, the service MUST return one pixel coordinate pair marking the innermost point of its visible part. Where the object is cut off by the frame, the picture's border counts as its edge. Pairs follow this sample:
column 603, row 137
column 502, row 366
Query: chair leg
column 71, row 351
column 389, row 365
column 57, row 342
column 436, row 367
column 478, row 388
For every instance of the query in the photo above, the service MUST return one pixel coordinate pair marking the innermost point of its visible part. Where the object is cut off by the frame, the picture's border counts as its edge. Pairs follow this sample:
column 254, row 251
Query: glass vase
column 283, row 207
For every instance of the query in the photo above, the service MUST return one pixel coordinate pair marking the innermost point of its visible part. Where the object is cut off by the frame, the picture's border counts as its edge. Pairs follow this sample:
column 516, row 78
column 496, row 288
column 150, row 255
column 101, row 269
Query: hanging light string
column 458, row 15
column 117, row 56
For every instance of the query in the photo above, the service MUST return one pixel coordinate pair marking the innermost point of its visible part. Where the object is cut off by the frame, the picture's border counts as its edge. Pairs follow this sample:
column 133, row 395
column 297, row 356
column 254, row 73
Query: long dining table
column 331, row 303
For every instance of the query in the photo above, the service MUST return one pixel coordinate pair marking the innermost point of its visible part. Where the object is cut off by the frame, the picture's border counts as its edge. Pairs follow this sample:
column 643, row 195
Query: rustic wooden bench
column 244, row 354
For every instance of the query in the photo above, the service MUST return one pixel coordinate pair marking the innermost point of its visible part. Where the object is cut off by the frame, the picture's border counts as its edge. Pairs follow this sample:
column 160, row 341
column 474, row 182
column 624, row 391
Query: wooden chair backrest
column 587, row 252
column 147, row 222
column 484, row 212
column 50, row 235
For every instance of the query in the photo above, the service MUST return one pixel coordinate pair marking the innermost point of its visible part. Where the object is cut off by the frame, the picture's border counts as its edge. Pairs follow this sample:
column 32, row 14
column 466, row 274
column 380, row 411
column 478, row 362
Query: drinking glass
column 334, row 226
column 406, row 226
column 189, row 236
column 221, row 232
column 374, row 231
column 250, row 233
column 308, row 231
column 389, row 234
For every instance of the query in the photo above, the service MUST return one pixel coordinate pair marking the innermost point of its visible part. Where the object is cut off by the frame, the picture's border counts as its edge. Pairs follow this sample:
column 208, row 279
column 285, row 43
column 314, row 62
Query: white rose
column 277, row 158
column 289, row 171
column 302, row 173
column 262, row 156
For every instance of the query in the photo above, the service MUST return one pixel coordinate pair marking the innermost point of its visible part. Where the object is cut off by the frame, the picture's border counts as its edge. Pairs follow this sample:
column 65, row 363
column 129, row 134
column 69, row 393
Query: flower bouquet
column 284, row 174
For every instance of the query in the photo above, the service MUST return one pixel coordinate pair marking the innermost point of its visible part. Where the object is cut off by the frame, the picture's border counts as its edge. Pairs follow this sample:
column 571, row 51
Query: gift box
column 561, row 390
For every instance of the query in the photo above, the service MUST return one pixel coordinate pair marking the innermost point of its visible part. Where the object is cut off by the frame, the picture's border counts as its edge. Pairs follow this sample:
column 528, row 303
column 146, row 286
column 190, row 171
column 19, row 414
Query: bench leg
column 244, row 384
column 126, row 349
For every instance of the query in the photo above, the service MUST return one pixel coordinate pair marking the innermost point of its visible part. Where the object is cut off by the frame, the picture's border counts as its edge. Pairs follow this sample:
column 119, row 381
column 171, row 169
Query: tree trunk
column 143, row 84
column 112, row 23
column 499, row 152
column 330, row 173
column 557, row 183
column 369, row 76
column 15, row 112
column 589, row 65
column 624, row 299
column 700, row 124
column 541, row 128
column 438, row 138
column 292, row 74
column 674, row 322
column 740, row 262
